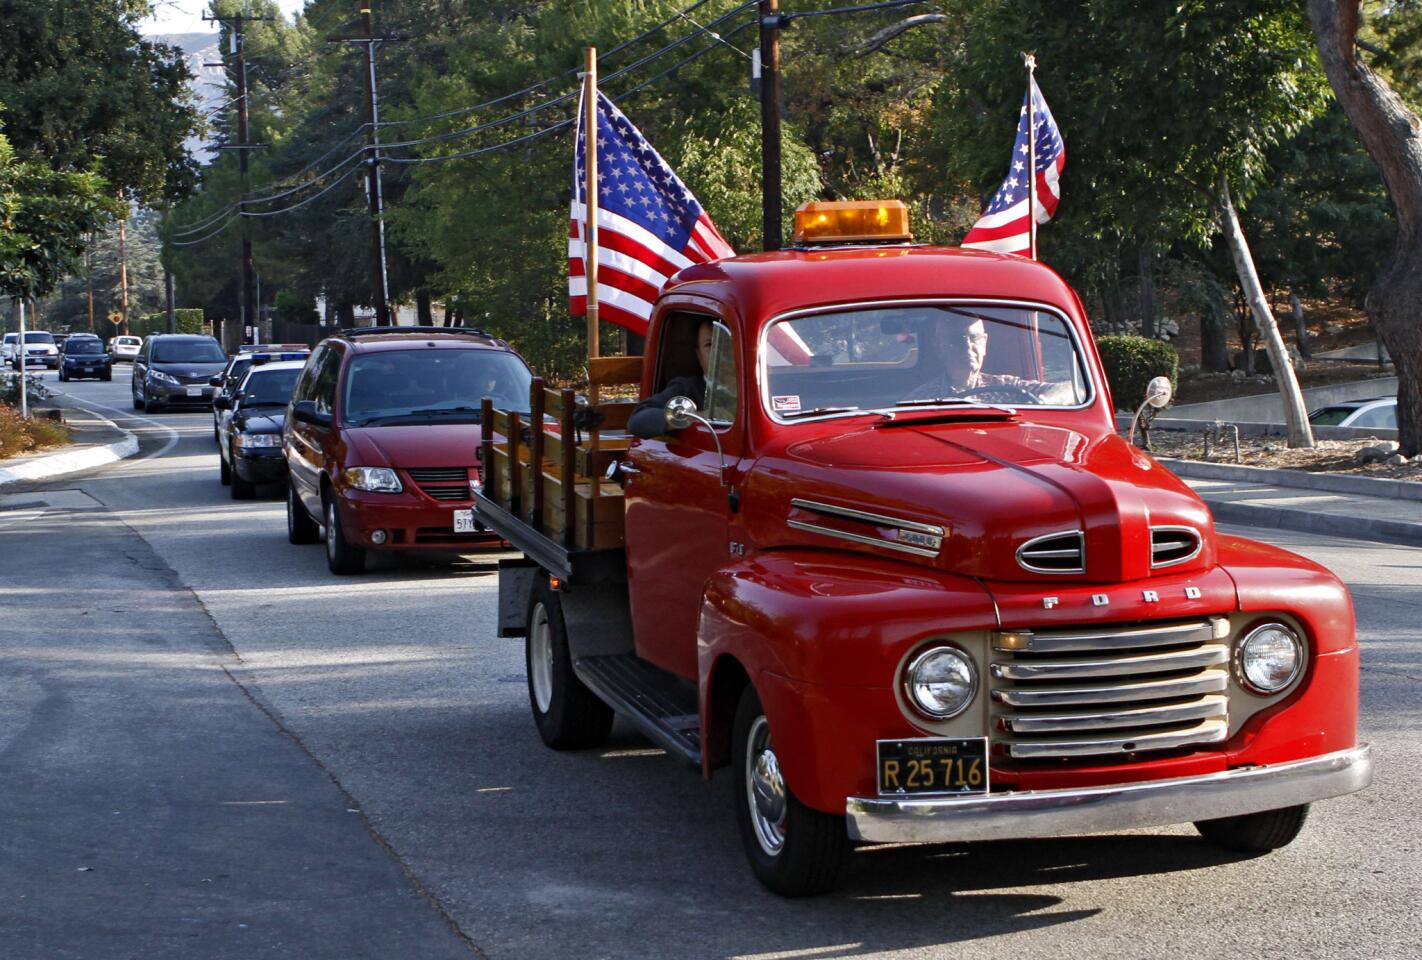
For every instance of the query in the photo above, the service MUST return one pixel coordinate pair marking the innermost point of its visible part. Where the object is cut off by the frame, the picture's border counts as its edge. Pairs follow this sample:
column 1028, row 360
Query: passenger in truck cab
column 649, row 419
column 958, row 344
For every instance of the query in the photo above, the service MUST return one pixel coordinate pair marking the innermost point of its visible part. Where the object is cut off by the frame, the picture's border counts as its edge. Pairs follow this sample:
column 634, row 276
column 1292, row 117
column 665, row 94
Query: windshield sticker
column 785, row 404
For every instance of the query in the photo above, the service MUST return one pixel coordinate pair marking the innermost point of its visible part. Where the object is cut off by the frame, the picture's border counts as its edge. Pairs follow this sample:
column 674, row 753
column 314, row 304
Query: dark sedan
column 249, row 430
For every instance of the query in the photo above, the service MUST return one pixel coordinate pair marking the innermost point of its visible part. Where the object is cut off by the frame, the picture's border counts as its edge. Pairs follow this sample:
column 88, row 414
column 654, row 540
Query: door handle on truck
column 620, row 471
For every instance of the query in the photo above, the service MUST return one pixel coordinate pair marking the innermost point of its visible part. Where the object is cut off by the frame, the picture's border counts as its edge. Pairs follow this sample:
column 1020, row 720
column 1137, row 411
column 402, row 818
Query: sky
column 185, row 16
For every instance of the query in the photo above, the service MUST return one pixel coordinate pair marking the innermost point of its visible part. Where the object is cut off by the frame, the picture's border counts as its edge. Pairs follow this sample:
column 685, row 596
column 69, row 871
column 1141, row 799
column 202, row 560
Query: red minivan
column 382, row 439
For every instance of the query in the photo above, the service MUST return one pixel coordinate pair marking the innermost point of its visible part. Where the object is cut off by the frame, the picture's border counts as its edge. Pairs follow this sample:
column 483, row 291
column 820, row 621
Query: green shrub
column 188, row 319
column 1132, row 362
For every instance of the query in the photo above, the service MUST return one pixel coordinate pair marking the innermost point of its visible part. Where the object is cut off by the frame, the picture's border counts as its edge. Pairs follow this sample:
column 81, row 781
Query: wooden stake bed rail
column 544, row 487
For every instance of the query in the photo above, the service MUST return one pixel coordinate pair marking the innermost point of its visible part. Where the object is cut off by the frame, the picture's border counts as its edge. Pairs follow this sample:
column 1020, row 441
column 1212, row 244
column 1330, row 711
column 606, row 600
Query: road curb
column 1334, row 483
column 73, row 461
column 1308, row 521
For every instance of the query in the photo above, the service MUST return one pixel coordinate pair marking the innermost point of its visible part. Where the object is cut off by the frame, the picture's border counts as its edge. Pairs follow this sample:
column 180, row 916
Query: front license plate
column 939, row 766
column 464, row 521
column 194, row 391
column 88, row 369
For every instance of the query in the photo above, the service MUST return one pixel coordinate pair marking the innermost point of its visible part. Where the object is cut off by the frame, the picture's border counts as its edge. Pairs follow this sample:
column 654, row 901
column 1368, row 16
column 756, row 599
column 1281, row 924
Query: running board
column 662, row 706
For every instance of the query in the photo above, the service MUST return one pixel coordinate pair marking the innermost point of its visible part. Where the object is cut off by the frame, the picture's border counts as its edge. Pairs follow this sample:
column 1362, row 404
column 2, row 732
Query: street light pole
column 20, row 349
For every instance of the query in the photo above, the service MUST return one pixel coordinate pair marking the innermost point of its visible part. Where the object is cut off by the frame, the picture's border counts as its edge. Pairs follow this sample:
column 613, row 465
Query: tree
column 44, row 219
column 1179, row 100
column 1387, row 127
column 83, row 87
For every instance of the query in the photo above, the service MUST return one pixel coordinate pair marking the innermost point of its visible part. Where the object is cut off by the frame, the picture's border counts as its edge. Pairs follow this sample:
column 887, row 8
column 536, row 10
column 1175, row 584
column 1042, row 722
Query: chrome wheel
column 765, row 789
column 540, row 658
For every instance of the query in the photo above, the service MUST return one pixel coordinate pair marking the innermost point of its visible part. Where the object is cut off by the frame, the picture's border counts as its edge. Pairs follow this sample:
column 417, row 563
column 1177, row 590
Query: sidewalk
column 1340, row 506
column 96, row 441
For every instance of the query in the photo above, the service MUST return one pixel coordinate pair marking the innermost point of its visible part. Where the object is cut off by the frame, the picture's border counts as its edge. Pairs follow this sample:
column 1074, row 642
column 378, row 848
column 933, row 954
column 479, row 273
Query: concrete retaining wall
column 1268, row 408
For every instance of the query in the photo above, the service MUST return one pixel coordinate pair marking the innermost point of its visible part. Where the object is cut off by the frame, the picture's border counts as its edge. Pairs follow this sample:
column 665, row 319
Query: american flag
column 1003, row 226
column 649, row 223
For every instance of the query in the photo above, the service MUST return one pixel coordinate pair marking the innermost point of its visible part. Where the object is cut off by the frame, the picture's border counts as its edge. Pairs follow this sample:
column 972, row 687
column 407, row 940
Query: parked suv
column 83, row 355
column 382, row 439
column 173, row 369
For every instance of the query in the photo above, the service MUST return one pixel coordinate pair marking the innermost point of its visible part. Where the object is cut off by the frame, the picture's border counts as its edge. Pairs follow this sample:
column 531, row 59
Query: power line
column 565, row 75
column 236, row 211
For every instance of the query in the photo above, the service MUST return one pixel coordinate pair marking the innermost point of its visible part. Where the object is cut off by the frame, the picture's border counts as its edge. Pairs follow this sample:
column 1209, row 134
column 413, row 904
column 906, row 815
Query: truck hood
column 416, row 445
column 992, row 488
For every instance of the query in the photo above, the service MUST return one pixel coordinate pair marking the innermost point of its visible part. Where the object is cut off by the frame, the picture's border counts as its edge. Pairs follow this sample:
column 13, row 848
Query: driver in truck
column 649, row 420
column 960, row 343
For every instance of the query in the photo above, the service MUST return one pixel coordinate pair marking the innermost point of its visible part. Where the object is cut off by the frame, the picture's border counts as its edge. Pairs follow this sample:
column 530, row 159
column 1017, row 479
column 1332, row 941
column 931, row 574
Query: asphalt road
column 210, row 747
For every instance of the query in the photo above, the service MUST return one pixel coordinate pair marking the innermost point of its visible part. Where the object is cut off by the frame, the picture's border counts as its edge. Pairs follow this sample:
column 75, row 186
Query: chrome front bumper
column 1120, row 806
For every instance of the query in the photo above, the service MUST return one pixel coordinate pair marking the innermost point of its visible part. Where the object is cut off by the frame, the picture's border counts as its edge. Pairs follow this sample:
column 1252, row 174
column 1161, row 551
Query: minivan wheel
column 341, row 556
column 224, row 472
column 568, row 715
column 300, row 528
column 793, row 850
column 137, row 400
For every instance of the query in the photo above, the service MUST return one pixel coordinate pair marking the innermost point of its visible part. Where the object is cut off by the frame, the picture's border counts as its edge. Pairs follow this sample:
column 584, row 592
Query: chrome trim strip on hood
column 930, row 534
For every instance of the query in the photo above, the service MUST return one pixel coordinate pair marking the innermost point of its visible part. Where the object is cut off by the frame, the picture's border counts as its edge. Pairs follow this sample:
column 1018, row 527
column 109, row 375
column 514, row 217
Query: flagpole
column 590, row 192
column 1031, row 63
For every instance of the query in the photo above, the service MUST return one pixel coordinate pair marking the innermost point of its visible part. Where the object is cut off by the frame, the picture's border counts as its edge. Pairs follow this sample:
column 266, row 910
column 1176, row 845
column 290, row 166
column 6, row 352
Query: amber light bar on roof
column 852, row 221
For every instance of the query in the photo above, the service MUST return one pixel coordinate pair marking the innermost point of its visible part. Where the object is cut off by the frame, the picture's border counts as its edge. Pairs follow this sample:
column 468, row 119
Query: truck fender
column 817, row 619
column 516, row 579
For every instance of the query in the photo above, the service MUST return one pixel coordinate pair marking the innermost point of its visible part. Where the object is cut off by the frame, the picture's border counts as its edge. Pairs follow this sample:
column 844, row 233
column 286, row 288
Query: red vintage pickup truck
column 896, row 569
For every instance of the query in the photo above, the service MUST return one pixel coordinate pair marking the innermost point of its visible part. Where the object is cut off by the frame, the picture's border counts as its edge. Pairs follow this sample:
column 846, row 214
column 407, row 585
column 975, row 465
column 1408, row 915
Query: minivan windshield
column 83, row 345
column 921, row 355
column 188, row 351
column 431, row 386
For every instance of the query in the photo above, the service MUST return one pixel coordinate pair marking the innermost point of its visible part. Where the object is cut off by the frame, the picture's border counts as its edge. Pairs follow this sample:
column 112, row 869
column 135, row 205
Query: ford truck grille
column 1172, row 545
column 1054, row 553
column 443, row 483
column 1111, row 690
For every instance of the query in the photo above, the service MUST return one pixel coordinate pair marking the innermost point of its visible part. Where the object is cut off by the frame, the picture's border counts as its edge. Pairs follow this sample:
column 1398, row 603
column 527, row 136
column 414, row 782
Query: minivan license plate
column 933, row 766
column 464, row 521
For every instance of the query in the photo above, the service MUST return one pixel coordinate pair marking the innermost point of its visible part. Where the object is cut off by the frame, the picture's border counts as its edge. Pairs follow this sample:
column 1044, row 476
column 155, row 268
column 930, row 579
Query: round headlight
column 941, row 682
column 1269, row 658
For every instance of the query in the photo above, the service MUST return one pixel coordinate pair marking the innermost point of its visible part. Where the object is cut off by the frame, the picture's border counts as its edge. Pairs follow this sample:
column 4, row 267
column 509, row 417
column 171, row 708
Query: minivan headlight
column 162, row 377
column 941, row 682
column 374, row 479
column 1269, row 658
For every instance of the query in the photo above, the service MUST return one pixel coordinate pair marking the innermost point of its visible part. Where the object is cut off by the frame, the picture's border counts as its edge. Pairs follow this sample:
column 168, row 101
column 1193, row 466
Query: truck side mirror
column 1158, row 392
column 681, row 413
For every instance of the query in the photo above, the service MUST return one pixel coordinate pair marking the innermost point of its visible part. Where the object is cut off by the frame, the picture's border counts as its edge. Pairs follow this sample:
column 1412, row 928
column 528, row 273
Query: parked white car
column 7, row 349
column 125, row 348
column 1380, row 412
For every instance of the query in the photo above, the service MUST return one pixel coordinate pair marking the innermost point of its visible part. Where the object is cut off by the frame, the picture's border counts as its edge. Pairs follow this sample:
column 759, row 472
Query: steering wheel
column 1003, row 393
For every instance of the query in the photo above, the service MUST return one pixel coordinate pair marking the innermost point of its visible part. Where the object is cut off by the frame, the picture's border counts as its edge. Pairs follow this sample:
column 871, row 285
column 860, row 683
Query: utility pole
column 172, row 305
column 89, row 276
column 374, row 181
column 771, row 23
column 233, row 338
column 123, row 274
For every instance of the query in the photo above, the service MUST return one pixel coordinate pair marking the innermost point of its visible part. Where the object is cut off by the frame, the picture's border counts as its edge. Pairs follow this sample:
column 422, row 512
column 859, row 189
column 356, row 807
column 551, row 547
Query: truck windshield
column 432, row 386
column 38, row 336
column 921, row 355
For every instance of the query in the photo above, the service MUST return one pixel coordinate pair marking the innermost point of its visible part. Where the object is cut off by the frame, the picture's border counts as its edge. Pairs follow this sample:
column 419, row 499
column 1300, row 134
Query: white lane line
column 171, row 442
column 10, row 518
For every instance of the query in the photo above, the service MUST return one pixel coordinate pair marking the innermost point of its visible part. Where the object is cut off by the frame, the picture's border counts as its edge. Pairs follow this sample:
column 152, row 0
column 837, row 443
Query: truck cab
column 896, row 570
